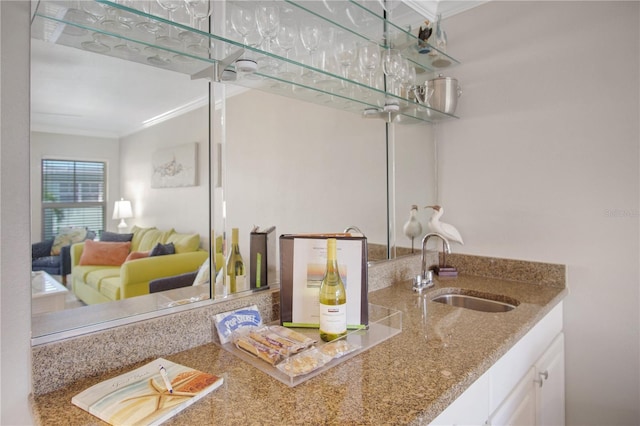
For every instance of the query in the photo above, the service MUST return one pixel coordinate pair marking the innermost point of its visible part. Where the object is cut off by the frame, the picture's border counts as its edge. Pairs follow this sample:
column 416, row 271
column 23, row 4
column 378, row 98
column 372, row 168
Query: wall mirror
column 286, row 163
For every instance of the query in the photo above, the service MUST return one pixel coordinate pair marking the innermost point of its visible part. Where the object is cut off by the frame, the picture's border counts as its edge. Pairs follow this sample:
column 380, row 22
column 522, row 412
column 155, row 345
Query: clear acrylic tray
column 384, row 323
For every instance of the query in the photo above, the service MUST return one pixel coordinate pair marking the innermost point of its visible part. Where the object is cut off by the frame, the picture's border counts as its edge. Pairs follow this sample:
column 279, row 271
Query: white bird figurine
column 444, row 229
column 413, row 227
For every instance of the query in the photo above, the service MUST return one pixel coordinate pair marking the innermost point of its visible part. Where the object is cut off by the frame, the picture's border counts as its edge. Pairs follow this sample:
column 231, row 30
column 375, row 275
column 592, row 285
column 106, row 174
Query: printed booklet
column 147, row 395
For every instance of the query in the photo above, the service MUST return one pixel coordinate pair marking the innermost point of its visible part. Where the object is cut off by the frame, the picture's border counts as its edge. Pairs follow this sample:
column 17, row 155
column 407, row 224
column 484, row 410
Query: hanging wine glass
column 268, row 23
column 170, row 40
column 243, row 22
column 369, row 59
column 310, row 38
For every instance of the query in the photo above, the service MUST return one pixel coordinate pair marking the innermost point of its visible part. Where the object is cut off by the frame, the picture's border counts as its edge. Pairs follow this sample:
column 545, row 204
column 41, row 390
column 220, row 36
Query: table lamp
column 122, row 210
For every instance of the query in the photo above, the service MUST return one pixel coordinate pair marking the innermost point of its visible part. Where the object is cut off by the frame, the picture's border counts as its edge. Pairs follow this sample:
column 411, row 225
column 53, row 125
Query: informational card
column 303, row 265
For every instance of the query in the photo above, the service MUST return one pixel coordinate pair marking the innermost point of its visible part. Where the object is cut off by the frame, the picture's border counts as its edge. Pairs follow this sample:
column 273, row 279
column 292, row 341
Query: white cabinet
column 519, row 408
column 538, row 399
column 470, row 408
column 524, row 387
column 550, row 384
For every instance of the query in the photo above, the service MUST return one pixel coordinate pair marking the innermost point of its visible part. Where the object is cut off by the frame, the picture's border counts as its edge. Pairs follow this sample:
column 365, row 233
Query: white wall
column 544, row 166
column 309, row 168
column 186, row 209
column 15, row 294
column 71, row 147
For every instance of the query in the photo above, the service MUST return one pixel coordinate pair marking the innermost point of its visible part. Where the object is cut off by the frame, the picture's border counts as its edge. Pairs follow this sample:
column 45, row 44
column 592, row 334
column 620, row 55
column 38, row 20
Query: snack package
column 256, row 348
column 228, row 322
column 338, row 348
column 274, row 341
column 303, row 363
column 292, row 335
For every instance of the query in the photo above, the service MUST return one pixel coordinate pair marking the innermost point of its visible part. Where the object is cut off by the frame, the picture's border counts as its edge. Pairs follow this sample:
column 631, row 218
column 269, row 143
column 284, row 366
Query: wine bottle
column 236, row 278
column 333, row 299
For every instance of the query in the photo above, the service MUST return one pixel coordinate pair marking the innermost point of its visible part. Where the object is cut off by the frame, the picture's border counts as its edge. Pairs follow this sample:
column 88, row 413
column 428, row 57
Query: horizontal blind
column 73, row 194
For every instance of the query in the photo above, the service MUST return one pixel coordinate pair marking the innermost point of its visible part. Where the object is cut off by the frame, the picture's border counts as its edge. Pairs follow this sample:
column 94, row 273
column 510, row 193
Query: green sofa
column 99, row 283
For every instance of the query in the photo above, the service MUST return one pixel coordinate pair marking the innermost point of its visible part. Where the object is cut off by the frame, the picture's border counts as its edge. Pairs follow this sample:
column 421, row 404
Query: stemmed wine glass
column 199, row 11
column 310, row 37
column 392, row 67
column 287, row 36
column 346, row 51
column 170, row 40
column 369, row 59
column 407, row 78
column 149, row 25
column 268, row 23
column 242, row 21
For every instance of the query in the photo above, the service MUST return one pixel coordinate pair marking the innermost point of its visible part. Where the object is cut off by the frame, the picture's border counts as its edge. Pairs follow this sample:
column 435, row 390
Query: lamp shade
column 122, row 209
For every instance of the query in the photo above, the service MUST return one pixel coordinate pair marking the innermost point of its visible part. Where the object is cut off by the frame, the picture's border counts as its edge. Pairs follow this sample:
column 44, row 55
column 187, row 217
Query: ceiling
column 79, row 92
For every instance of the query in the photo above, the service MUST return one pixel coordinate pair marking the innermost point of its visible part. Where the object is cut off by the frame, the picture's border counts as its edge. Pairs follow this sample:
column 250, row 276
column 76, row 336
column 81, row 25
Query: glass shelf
column 114, row 29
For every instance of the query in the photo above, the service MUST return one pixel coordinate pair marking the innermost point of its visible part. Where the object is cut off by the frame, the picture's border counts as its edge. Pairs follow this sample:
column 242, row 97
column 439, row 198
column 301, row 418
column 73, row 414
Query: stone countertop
column 409, row 378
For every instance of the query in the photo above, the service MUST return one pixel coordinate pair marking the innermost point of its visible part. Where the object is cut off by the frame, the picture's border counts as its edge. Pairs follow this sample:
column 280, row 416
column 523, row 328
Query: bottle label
column 241, row 283
column 333, row 318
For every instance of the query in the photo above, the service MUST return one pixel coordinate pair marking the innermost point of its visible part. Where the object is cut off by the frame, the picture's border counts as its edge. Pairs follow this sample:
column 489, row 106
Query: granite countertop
column 409, row 378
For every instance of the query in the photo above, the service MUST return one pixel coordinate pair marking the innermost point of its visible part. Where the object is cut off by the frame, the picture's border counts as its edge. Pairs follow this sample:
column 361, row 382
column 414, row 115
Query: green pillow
column 152, row 237
column 184, row 243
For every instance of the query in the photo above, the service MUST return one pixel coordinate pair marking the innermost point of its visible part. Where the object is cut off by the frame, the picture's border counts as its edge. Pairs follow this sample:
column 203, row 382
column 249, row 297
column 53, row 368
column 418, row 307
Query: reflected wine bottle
column 236, row 277
column 333, row 299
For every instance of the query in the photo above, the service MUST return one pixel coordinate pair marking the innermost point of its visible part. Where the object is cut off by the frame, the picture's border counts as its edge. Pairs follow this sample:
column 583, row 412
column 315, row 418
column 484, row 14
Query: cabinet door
column 519, row 408
column 550, row 384
column 471, row 408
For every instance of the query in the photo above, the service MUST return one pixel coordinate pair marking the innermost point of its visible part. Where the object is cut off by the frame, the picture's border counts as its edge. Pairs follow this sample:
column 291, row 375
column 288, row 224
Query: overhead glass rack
column 119, row 30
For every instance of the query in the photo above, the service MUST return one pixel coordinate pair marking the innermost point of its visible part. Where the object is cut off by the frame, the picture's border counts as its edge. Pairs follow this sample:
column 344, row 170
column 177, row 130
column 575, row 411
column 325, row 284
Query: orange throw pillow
column 104, row 253
column 137, row 255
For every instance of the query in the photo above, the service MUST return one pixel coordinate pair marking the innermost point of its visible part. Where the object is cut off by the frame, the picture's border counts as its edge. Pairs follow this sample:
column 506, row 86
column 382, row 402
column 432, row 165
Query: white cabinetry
column 524, row 387
column 519, row 408
column 550, row 384
column 470, row 408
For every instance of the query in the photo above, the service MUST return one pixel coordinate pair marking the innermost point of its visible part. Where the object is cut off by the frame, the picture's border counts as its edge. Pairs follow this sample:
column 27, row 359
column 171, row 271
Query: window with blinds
column 73, row 194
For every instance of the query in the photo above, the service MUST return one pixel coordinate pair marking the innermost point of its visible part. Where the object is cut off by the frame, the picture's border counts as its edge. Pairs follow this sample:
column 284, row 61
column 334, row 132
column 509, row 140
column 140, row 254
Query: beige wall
column 543, row 166
column 186, row 209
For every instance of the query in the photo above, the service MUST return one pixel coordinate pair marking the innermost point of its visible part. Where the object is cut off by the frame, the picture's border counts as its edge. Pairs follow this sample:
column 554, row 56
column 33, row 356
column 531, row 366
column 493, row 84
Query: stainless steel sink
column 474, row 302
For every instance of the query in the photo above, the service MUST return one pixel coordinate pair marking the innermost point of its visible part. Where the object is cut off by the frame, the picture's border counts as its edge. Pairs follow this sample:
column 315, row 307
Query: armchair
column 42, row 260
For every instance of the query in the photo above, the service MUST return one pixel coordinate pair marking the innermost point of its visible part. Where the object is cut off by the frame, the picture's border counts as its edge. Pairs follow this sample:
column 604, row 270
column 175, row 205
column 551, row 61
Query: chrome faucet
column 354, row 229
column 425, row 279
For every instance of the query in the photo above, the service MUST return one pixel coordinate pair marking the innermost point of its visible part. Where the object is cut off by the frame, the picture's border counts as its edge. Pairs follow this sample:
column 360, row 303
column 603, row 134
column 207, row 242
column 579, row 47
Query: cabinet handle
column 544, row 375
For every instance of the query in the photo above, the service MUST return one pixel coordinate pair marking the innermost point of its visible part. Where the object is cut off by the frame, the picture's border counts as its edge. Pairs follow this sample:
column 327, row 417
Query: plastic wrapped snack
column 274, row 341
column 303, row 363
column 293, row 335
column 338, row 348
column 263, row 352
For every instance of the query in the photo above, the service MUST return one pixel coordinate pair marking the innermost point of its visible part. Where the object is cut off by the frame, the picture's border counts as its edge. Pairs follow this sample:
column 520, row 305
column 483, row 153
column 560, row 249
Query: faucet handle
column 423, row 281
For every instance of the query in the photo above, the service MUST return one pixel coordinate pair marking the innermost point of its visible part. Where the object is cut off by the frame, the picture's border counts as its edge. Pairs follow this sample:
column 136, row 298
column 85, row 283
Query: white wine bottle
column 333, row 299
column 236, row 278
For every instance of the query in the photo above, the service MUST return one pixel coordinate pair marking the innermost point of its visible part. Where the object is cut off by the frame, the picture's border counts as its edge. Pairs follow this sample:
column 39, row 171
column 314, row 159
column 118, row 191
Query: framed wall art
column 175, row 166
